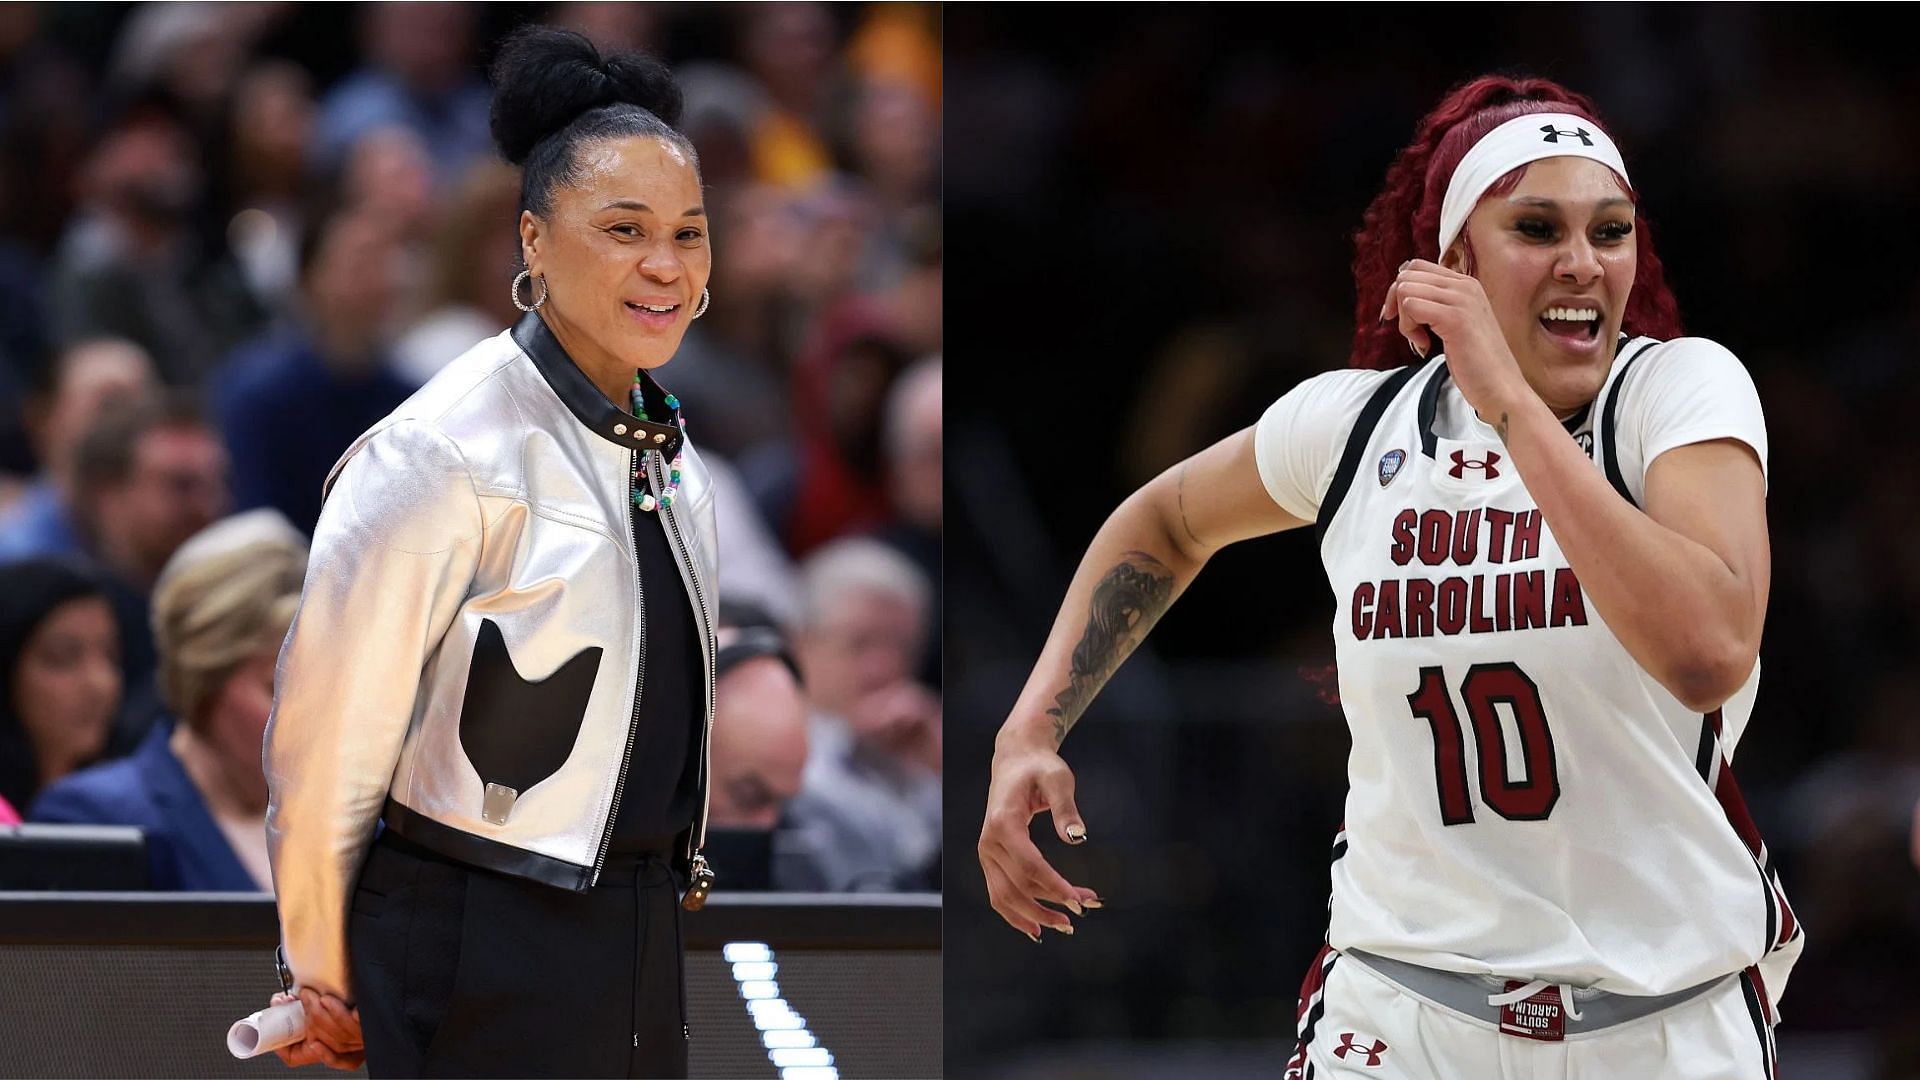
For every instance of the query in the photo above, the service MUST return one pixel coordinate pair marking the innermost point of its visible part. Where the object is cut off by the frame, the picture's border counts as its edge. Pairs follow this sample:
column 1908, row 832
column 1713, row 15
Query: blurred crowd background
column 234, row 236
column 1168, row 200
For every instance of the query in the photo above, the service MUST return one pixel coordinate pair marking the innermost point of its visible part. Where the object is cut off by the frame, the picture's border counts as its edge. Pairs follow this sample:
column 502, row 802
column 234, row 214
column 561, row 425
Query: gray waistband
column 1467, row 994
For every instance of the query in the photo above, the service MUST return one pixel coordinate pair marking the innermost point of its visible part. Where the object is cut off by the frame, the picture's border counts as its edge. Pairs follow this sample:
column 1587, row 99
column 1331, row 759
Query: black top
column 662, row 783
column 659, row 795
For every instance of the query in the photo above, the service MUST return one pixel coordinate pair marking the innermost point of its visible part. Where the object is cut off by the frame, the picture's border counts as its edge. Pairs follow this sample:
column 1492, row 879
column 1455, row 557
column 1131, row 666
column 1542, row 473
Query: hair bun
column 544, row 78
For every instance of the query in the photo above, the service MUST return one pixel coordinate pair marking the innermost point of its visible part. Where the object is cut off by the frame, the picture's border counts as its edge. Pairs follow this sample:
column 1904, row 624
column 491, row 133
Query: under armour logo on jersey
column 1461, row 463
column 1347, row 1046
column 1554, row 133
column 1390, row 463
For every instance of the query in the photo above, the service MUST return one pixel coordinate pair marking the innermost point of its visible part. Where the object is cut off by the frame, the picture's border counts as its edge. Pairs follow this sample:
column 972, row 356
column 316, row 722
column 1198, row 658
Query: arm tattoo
column 1182, row 493
column 1126, row 603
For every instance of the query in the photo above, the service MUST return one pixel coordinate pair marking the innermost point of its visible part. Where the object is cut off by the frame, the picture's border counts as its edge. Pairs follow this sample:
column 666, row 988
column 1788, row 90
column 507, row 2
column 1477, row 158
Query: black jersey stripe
column 1773, row 911
column 1759, row 1023
column 1430, row 407
column 1607, row 418
column 1319, row 1007
column 1776, row 898
column 1357, row 447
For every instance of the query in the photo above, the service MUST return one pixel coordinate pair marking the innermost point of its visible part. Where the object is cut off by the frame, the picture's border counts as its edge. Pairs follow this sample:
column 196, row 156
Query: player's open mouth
column 1575, row 325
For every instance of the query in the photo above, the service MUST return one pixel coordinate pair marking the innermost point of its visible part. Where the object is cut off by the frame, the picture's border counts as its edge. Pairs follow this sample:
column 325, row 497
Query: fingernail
column 1035, row 937
column 1075, row 906
column 1067, row 929
column 1416, row 349
column 1094, row 903
column 1404, row 265
column 1076, row 834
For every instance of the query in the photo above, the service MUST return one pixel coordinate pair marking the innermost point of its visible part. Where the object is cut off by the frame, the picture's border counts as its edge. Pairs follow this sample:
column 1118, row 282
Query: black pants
column 465, row 972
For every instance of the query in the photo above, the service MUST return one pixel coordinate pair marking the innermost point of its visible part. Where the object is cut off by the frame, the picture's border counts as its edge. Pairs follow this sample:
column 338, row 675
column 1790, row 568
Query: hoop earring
column 706, row 297
column 515, row 290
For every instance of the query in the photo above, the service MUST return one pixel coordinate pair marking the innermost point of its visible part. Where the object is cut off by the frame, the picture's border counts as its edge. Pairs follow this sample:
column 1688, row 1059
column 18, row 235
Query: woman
column 504, row 650
column 220, row 610
column 1551, row 523
column 60, row 676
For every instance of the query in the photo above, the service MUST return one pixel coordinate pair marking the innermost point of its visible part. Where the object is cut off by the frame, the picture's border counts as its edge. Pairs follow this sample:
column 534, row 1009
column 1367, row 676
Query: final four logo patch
column 1390, row 463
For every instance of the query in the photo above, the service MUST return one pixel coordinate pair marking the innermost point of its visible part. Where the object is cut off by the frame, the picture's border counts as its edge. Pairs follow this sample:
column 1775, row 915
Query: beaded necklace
column 644, row 499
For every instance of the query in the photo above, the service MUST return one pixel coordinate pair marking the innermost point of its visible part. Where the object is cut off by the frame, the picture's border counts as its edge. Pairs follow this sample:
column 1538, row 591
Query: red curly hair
column 1403, row 221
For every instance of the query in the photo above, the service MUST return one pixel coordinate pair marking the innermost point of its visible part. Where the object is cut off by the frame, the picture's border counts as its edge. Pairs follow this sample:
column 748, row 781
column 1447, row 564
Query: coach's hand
column 1029, row 778
column 333, row 1033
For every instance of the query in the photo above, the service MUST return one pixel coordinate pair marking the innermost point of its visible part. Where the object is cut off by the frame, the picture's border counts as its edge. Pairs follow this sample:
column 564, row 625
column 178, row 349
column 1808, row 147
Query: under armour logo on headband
column 1526, row 138
column 1554, row 133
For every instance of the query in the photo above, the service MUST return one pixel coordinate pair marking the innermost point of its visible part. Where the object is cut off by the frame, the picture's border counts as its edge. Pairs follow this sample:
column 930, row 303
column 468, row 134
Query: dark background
column 1152, row 211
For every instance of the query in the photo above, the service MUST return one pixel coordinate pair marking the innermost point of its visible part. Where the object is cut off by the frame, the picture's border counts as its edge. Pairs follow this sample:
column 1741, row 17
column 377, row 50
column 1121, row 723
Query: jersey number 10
column 1530, row 798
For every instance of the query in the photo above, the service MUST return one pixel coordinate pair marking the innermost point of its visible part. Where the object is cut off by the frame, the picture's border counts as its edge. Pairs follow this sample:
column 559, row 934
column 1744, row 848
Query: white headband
column 1520, row 141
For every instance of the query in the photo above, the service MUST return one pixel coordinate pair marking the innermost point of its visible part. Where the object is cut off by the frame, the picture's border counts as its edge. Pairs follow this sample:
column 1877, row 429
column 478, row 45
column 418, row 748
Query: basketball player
column 1542, row 511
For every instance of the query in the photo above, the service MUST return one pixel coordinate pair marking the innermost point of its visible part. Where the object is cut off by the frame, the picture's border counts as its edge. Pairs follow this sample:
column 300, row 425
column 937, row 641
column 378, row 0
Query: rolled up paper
column 267, row 1030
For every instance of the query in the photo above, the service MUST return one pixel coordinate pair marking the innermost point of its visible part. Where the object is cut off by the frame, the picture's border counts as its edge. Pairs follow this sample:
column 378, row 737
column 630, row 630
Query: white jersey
column 1525, row 800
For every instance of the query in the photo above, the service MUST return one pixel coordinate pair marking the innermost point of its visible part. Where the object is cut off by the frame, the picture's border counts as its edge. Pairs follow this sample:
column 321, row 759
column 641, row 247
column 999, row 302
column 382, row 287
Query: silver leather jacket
column 491, row 509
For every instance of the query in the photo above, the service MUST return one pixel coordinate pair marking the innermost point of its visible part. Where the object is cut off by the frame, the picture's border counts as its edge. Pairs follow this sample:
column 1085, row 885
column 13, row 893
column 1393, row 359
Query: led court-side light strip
column 790, row 1046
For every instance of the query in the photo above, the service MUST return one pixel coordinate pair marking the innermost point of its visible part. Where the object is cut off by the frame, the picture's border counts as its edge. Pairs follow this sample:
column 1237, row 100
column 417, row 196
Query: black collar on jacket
column 585, row 401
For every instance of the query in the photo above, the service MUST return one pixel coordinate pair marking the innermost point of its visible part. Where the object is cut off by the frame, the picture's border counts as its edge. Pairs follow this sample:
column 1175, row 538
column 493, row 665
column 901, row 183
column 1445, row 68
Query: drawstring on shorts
column 1520, row 994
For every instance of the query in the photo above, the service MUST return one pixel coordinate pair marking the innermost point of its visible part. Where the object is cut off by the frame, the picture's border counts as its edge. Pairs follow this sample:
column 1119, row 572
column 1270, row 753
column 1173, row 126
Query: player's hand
column 1427, row 299
column 1029, row 778
column 333, row 1033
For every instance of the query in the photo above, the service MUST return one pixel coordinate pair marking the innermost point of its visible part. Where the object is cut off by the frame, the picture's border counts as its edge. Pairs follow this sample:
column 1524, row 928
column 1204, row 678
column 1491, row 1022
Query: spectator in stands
column 475, row 247
column 88, row 378
column 759, row 753
column 292, row 402
column 263, row 183
column 872, row 782
column 59, row 674
column 149, row 475
column 131, row 265
column 419, row 75
column 195, row 787
column 738, row 351
column 187, row 54
column 912, row 432
column 896, row 141
column 759, row 728
column 613, row 27
column 831, row 482
column 46, row 112
column 389, row 172
column 790, row 49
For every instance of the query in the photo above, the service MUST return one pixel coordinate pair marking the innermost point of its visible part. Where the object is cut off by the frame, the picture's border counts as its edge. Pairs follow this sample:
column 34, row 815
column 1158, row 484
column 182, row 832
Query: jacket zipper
column 700, row 877
column 639, row 676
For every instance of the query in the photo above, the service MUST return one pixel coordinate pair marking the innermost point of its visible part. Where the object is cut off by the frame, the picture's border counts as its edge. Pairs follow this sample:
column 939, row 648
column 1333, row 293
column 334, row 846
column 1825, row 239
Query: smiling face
column 1556, row 258
column 624, row 253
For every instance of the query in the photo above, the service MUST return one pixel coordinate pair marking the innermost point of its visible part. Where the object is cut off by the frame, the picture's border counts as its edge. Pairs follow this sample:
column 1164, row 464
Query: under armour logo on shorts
column 1554, row 133
column 1461, row 463
column 1347, row 1046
